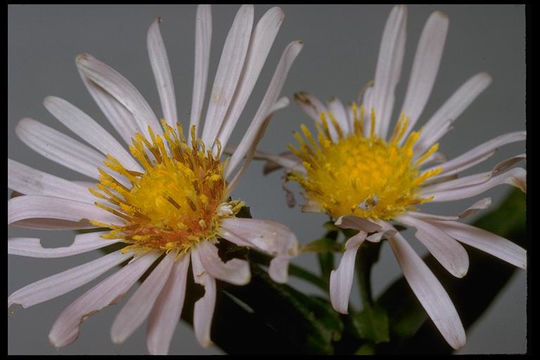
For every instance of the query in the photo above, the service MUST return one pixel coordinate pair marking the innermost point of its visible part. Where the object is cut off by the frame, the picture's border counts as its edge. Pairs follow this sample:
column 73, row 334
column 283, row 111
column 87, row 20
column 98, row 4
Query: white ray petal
column 66, row 327
column 341, row 279
column 30, row 181
column 44, row 207
column 429, row 292
column 32, row 247
column 485, row 241
column 425, row 67
column 448, row 252
column 162, row 72
column 335, row 106
column 59, row 148
column 203, row 39
column 203, row 311
column 452, row 109
column 122, row 90
column 167, row 309
column 357, row 223
column 388, row 69
column 141, row 302
column 268, row 104
column 89, row 130
column 66, row 281
column 261, row 41
column 234, row 271
column 228, row 73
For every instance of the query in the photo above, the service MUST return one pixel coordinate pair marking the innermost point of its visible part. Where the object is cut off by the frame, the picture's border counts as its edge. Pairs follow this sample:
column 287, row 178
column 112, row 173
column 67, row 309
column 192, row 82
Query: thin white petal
column 162, row 72
column 341, row 279
column 388, row 69
column 278, row 269
column 448, row 252
column 141, row 302
column 357, row 223
column 265, row 235
column 30, row 181
column 452, row 109
column 66, row 327
column 32, row 247
column 486, row 241
column 311, row 105
column 44, row 207
column 62, row 283
column 234, row 271
column 167, row 309
column 477, row 206
column 425, row 67
column 122, row 90
column 59, row 148
column 267, row 104
column 429, row 292
column 118, row 115
column 89, row 130
column 203, row 38
column 515, row 177
column 477, row 154
column 261, row 41
column 228, row 73
column 204, row 307
column 335, row 106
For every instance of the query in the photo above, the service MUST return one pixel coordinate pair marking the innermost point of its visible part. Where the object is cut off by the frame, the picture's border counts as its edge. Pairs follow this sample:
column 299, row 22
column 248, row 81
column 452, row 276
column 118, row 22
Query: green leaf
column 371, row 324
column 408, row 326
column 324, row 244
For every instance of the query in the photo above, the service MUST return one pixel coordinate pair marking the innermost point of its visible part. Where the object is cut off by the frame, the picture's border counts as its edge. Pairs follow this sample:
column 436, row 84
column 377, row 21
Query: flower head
column 368, row 180
column 168, row 199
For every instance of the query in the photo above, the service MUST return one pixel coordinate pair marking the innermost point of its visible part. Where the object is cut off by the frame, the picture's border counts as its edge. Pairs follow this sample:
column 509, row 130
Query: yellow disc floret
column 359, row 175
column 176, row 202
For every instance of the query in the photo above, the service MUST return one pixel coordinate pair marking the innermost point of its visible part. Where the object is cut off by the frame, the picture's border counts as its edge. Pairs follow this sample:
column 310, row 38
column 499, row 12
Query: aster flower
column 369, row 180
column 167, row 199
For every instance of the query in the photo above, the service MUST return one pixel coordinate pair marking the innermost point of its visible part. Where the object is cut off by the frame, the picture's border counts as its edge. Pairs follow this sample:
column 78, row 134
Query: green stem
column 367, row 256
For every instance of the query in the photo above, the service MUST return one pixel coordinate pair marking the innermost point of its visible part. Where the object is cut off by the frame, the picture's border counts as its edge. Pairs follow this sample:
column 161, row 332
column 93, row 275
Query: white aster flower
column 364, row 179
column 168, row 198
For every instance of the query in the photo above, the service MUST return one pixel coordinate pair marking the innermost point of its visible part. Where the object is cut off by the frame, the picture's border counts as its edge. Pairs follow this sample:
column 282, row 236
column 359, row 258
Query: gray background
column 339, row 57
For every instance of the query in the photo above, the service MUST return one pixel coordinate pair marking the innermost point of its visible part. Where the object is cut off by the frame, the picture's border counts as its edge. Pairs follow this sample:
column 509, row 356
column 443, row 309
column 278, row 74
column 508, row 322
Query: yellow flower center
column 179, row 199
column 358, row 175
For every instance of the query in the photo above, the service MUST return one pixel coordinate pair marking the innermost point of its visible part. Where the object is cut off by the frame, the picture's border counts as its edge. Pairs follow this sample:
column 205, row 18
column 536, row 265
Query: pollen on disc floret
column 177, row 201
column 360, row 175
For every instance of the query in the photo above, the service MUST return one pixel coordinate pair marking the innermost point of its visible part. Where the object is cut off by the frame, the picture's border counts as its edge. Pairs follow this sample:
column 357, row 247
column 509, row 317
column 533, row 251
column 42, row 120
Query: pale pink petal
column 141, row 302
column 278, row 269
column 280, row 104
column 62, row 283
column 234, row 271
column 474, row 208
column 388, row 69
column 162, row 72
column 228, row 73
column 335, row 106
column 118, row 115
column 357, row 223
column 167, row 309
column 486, row 241
column 122, row 90
column 429, row 292
column 204, row 307
column 451, row 110
column 515, row 177
column 460, row 182
column 203, row 37
column 477, row 154
column 285, row 160
column 448, row 252
column 30, row 181
column 89, row 130
column 341, row 279
column 505, row 164
column 261, row 41
column 59, row 148
column 268, row 103
column 268, row 236
column 66, row 327
column 311, row 105
column 425, row 67
column 44, row 207
column 32, row 247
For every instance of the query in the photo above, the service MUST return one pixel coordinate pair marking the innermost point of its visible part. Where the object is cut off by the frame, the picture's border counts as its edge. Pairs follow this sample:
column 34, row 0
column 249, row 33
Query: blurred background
column 341, row 44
